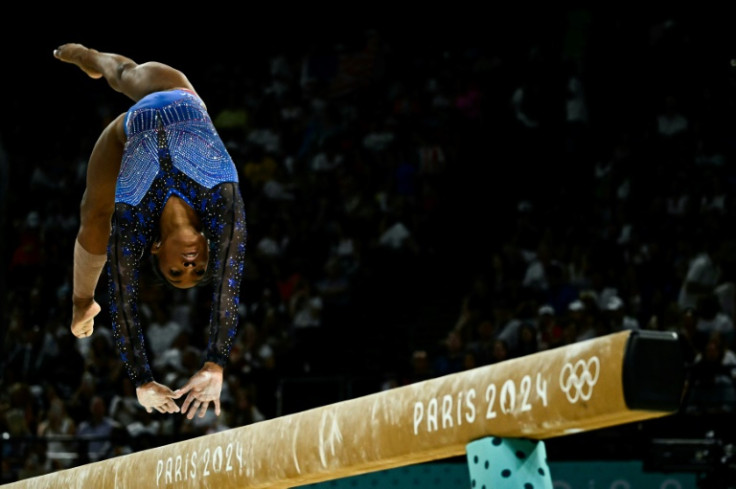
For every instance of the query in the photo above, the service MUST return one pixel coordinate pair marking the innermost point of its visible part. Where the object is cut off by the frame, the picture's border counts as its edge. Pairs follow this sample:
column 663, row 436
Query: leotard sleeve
column 126, row 249
column 224, row 224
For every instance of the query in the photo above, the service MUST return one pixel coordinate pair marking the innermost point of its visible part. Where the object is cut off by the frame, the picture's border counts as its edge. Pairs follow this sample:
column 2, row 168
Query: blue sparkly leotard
column 173, row 148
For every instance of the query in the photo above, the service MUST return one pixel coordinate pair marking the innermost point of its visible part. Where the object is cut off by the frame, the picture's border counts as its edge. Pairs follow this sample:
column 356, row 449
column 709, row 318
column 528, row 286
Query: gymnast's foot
column 78, row 55
column 83, row 316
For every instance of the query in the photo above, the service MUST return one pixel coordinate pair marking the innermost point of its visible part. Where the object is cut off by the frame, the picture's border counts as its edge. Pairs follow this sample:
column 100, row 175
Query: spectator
column 420, row 367
column 618, row 317
column 450, row 356
column 103, row 364
column 245, row 411
column 124, row 406
column 162, row 328
column 712, row 319
column 711, row 388
column 335, row 288
column 703, row 273
column 306, row 308
column 69, row 365
column 501, row 351
column 144, row 431
column 527, row 342
column 99, row 430
column 482, row 345
column 18, row 420
column 61, row 453
column 550, row 331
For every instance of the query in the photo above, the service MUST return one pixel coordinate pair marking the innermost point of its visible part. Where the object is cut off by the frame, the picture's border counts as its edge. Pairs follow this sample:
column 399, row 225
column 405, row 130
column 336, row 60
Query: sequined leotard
column 173, row 148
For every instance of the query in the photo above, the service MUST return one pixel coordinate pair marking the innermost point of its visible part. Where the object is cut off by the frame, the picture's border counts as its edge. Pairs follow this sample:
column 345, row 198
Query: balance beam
column 610, row 380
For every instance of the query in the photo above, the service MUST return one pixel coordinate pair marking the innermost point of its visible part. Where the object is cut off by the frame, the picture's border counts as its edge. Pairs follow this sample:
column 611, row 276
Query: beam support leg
column 497, row 463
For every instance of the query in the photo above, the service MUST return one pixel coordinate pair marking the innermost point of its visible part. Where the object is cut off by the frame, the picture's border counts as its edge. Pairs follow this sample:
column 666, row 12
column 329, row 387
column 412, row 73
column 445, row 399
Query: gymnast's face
column 182, row 259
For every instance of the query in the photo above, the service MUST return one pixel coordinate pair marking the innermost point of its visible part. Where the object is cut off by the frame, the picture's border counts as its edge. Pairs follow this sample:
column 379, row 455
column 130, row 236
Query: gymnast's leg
column 122, row 73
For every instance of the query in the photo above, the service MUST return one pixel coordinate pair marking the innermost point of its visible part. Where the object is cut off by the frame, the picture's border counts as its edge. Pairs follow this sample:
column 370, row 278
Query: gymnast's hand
column 204, row 387
column 157, row 396
column 83, row 313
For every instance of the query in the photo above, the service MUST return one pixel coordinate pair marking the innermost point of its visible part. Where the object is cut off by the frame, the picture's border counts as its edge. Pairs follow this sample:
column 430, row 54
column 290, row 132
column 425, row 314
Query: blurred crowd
column 413, row 210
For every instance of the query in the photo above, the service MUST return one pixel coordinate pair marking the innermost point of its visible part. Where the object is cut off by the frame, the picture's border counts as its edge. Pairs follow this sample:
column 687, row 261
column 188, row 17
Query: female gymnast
column 161, row 182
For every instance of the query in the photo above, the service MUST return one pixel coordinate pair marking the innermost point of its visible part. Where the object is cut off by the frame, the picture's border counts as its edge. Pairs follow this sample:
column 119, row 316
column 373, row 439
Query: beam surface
column 552, row 393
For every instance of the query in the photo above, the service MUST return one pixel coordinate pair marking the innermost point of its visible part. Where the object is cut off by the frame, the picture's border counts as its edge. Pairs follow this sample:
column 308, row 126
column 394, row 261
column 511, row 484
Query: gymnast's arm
column 228, row 232
column 126, row 251
column 98, row 204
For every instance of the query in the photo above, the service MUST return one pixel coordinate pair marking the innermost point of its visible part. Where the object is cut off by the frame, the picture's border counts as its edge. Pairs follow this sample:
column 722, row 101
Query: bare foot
column 83, row 314
column 76, row 54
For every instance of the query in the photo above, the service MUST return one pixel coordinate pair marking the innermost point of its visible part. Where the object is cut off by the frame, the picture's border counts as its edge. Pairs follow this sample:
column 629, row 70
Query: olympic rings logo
column 577, row 381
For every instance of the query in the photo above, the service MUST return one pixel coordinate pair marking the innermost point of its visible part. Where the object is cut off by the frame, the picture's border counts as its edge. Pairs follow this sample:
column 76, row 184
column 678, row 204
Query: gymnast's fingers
column 203, row 410
column 187, row 402
column 194, row 407
column 171, row 407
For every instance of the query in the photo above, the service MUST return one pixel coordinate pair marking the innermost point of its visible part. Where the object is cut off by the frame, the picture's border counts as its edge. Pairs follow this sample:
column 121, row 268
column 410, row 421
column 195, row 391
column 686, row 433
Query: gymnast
column 160, row 187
